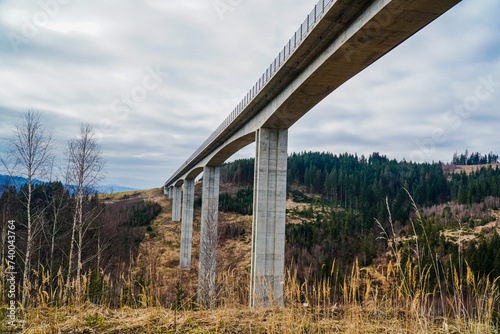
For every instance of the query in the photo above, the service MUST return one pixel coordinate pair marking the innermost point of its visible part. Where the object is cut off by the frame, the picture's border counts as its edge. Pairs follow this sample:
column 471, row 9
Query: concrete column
column 187, row 224
column 171, row 192
column 208, row 236
column 269, row 210
column 165, row 190
column 176, row 204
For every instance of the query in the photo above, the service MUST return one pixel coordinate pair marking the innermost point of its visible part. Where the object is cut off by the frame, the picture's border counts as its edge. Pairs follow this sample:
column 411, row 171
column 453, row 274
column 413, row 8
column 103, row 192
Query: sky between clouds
column 189, row 64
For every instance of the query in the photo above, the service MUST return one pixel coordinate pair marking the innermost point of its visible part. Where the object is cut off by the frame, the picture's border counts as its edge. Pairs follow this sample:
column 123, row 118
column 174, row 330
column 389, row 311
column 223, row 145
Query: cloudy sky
column 156, row 77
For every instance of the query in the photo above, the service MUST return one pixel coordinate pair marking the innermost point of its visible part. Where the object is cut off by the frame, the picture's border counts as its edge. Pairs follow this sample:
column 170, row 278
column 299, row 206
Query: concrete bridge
column 337, row 40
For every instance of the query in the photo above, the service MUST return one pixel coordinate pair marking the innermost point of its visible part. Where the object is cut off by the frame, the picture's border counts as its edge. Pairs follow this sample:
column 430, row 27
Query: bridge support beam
column 176, row 204
column 187, row 224
column 208, row 236
column 269, row 211
column 171, row 192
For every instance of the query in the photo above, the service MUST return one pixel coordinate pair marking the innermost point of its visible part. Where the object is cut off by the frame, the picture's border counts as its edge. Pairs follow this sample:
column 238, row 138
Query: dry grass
column 363, row 309
column 468, row 169
column 385, row 299
column 148, row 193
column 228, row 320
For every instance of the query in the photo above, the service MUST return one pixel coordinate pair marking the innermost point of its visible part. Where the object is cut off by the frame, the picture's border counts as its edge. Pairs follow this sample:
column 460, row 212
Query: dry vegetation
column 468, row 169
column 383, row 298
column 484, row 221
column 150, row 193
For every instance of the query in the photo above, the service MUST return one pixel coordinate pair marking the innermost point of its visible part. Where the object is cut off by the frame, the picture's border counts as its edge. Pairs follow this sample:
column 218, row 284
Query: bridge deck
column 328, row 26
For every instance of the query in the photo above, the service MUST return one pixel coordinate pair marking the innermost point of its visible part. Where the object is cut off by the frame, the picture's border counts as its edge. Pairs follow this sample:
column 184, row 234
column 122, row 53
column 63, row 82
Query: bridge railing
column 314, row 16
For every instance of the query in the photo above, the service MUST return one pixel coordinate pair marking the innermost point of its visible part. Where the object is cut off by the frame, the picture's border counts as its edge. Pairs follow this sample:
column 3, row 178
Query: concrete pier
column 171, row 192
column 187, row 225
column 208, row 236
column 176, row 203
column 269, row 210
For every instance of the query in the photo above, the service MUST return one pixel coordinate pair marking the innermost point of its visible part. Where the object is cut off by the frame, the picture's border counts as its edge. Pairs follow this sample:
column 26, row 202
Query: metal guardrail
column 304, row 29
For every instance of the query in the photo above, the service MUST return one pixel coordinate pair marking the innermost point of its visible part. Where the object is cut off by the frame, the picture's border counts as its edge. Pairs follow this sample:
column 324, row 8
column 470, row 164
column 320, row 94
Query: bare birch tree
column 29, row 156
column 84, row 172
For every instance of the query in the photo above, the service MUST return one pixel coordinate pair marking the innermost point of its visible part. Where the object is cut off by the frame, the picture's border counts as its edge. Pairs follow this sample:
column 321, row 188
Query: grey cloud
column 211, row 63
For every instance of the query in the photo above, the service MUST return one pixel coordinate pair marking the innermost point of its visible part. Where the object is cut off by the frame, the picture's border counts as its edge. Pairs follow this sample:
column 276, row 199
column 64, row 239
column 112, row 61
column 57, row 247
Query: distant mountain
column 113, row 188
column 5, row 180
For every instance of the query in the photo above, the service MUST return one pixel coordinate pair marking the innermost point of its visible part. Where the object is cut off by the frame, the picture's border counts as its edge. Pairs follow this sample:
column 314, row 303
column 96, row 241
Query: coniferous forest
column 351, row 201
column 474, row 158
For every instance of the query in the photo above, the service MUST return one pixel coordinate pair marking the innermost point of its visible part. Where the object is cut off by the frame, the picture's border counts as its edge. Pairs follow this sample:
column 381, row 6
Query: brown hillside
column 455, row 169
column 159, row 252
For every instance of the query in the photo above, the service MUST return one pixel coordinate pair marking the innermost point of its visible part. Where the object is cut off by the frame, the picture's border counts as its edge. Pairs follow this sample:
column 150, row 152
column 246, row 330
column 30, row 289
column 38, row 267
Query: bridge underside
column 349, row 37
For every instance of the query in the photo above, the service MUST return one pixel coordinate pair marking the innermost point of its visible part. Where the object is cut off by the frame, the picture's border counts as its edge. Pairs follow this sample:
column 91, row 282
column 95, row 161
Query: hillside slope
column 158, row 259
column 468, row 169
column 367, row 300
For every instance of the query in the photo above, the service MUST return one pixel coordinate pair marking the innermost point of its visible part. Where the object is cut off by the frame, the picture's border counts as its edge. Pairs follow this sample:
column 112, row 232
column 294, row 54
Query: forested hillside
column 362, row 184
column 352, row 200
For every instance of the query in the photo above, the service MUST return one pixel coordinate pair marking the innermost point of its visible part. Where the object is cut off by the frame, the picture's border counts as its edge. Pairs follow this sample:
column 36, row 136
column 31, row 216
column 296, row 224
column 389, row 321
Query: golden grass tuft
column 361, row 308
column 392, row 298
